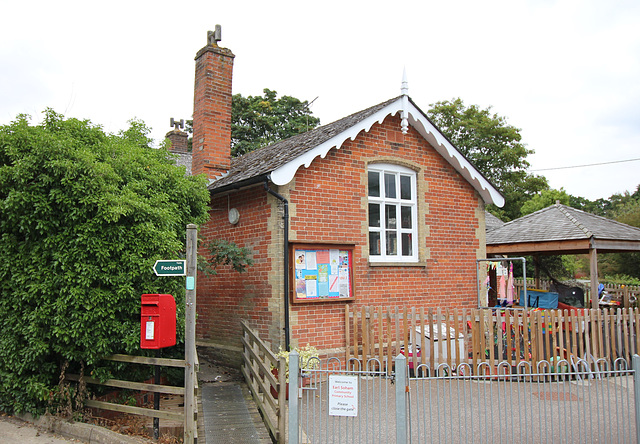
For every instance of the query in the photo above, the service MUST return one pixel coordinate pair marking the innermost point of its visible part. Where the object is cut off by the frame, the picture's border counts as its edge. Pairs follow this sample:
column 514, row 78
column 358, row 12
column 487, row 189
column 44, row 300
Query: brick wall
column 328, row 203
column 449, row 210
column 225, row 298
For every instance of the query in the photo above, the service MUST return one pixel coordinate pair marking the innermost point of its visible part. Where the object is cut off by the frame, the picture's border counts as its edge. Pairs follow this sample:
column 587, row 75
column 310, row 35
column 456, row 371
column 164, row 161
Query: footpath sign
column 170, row 268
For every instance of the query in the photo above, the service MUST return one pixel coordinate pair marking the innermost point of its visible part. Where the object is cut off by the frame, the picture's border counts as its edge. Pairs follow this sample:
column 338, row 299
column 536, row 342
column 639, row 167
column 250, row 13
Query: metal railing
column 558, row 401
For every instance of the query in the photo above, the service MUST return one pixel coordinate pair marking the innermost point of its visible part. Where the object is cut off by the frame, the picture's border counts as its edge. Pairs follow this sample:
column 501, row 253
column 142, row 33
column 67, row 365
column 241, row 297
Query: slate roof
column 560, row 222
column 183, row 159
column 261, row 162
column 491, row 221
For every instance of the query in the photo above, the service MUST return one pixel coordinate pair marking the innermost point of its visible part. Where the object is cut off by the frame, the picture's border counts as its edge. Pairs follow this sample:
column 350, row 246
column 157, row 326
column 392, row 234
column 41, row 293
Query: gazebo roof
column 560, row 229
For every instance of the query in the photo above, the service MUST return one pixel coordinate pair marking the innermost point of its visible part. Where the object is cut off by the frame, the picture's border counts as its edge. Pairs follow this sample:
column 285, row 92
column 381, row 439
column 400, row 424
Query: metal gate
column 555, row 402
column 341, row 404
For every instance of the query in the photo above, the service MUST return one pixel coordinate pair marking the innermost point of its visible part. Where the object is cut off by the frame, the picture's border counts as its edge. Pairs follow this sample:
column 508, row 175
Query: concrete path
column 14, row 430
column 51, row 430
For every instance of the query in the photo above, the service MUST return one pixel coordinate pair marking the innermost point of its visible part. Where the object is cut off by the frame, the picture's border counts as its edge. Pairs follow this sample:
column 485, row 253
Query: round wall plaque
column 234, row 216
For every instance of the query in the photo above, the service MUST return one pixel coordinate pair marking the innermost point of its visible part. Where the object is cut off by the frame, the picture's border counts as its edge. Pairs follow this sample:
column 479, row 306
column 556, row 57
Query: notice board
column 321, row 273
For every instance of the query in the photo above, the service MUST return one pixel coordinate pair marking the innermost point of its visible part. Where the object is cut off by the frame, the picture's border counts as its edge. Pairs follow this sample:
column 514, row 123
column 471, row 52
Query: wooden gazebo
column 558, row 230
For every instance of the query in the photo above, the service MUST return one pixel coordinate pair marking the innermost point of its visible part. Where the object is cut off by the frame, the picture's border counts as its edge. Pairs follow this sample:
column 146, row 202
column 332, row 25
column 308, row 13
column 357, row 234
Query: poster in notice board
column 322, row 273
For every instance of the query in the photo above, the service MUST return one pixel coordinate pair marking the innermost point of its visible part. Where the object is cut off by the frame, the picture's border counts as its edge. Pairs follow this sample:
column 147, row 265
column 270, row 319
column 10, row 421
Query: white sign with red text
column 343, row 395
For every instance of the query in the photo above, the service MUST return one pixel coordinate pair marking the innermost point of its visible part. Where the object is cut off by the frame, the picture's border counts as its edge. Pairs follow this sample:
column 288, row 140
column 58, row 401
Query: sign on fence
column 343, row 395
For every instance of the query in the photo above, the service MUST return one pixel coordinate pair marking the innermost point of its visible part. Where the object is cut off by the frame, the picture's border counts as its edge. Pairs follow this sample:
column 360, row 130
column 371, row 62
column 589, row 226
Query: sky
column 566, row 72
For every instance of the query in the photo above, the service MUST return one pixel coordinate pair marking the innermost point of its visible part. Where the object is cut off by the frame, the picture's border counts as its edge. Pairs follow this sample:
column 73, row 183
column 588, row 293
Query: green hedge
column 85, row 215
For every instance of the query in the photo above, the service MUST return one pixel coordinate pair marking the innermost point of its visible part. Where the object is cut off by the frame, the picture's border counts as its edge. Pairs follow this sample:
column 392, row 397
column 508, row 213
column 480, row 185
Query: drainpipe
column 286, row 262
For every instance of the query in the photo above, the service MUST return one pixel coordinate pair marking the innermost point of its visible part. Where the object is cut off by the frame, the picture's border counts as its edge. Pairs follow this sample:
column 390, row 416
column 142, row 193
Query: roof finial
column 405, row 102
column 405, row 84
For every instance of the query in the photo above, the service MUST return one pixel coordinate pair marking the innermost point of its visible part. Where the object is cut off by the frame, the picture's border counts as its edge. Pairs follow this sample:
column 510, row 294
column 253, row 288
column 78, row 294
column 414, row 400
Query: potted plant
column 306, row 354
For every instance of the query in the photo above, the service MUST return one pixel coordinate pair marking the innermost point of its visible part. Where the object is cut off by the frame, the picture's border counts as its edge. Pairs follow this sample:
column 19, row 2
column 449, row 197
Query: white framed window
column 393, row 218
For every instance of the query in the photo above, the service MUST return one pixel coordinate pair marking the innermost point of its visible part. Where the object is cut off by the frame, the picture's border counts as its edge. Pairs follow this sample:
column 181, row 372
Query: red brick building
column 377, row 208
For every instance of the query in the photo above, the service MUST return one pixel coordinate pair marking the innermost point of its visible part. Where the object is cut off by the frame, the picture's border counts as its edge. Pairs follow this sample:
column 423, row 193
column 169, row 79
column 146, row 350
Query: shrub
column 85, row 215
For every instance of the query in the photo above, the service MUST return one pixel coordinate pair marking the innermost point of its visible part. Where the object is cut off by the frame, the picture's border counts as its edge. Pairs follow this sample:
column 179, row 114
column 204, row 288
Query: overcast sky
column 567, row 72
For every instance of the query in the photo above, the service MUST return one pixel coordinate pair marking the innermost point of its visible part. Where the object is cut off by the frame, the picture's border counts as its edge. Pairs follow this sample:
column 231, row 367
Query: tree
column 258, row 121
column 494, row 147
column 85, row 215
column 545, row 199
column 625, row 209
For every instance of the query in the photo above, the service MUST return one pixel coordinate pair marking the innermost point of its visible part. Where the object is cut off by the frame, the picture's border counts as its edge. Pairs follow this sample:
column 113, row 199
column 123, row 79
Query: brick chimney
column 179, row 140
column 211, row 149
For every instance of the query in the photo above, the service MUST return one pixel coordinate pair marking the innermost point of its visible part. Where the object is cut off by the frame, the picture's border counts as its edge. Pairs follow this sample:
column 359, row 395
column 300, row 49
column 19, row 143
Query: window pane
column 374, row 244
column 407, row 247
column 390, row 216
column 374, row 184
column 390, row 185
column 405, row 215
column 405, row 187
column 374, row 215
column 392, row 243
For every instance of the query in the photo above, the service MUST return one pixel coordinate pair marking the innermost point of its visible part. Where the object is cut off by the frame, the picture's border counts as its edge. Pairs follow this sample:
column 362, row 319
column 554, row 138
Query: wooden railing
column 267, row 389
column 475, row 336
column 140, row 386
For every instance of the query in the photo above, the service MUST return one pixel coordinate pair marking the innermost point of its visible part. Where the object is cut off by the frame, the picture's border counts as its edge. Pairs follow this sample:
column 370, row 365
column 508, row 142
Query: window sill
column 397, row 264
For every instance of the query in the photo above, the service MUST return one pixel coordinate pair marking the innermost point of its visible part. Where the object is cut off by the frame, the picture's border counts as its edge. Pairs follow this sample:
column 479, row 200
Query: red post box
column 157, row 321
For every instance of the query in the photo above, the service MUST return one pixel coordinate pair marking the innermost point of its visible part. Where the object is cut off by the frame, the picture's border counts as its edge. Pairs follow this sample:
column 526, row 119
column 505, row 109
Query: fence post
column 401, row 402
column 293, row 397
column 636, row 391
column 190, row 403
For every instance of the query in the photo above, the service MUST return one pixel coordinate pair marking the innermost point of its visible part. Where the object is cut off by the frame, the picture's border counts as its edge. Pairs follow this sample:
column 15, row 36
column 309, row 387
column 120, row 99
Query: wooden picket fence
column 475, row 336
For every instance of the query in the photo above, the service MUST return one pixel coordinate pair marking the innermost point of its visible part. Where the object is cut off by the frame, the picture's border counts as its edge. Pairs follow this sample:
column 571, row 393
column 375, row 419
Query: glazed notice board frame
column 321, row 272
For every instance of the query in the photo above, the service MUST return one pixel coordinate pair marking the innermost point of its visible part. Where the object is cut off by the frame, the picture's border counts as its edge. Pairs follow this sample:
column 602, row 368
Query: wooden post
column 536, row 263
column 347, row 333
column 389, row 342
column 156, row 397
column 190, row 335
column 593, row 272
column 625, row 296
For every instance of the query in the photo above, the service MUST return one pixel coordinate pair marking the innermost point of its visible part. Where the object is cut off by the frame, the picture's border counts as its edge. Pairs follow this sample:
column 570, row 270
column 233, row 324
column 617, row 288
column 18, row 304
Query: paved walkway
column 14, row 430
column 51, row 430
column 228, row 412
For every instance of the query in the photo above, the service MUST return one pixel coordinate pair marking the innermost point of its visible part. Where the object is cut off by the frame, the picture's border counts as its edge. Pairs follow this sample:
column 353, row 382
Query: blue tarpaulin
column 540, row 299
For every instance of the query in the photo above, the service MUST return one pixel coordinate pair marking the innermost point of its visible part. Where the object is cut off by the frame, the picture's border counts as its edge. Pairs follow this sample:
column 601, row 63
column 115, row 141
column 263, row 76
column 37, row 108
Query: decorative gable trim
column 285, row 173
